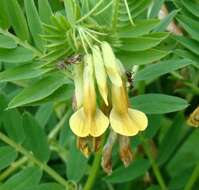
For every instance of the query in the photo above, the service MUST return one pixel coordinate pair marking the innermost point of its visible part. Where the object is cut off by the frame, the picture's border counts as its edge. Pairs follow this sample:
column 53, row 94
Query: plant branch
column 193, row 178
column 27, row 154
column 57, row 128
column 95, row 167
column 154, row 165
column 13, row 168
column 24, row 159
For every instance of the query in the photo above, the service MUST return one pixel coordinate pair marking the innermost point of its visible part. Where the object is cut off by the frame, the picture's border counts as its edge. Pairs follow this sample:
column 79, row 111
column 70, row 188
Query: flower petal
column 89, row 95
column 99, row 124
column 123, row 123
column 100, row 73
column 83, row 125
column 78, row 81
column 78, row 124
column 128, row 124
column 111, row 64
column 139, row 118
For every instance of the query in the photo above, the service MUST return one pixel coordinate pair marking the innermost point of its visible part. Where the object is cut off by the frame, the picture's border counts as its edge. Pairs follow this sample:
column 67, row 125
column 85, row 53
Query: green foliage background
column 38, row 150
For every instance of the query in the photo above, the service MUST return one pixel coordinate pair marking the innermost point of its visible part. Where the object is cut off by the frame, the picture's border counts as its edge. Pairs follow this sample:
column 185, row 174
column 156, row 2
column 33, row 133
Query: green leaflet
column 187, row 54
column 9, row 118
column 4, row 17
column 63, row 93
column 70, row 11
column 187, row 150
column 191, row 6
column 17, row 55
column 26, row 71
column 158, row 103
column 156, row 6
column 6, row 42
column 142, row 27
column 143, row 43
column 190, row 25
column 157, row 69
column 174, row 133
column 15, row 132
column 129, row 58
column 23, row 179
column 34, row 23
column 36, row 140
column 135, row 170
column 165, row 21
column 76, row 167
column 46, row 186
column 39, row 90
column 45, row 11
column 190, row 44
column 7, row 156
column 136, row 8
column 43, row 114
column 17, row 19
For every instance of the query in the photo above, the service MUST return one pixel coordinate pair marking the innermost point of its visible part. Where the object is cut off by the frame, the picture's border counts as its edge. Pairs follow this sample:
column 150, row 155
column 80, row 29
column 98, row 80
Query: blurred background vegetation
column 156, row 39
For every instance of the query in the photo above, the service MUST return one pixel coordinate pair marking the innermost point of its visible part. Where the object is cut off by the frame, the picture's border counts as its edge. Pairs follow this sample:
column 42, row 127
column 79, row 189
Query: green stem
column 24, row 159
column 57, row 128
column 20, row 42
column 129, row 12
column 90, row 12
column 115, row 14
column 93, row 172
column 95, row 167
column 193, row 178
column 13, row 168
column 106, row 7
column 27, row 154
column 154, row 165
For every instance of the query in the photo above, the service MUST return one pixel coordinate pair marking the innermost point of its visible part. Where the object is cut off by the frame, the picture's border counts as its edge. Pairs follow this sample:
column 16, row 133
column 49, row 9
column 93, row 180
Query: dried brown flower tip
column 106, row 162
column 83, row 145
column 126, row 154
column 96, row 143
column 194, row 118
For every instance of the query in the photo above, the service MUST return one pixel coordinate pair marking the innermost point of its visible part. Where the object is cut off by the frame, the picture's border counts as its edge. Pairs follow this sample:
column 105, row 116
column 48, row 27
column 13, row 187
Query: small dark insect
column 69, row 61
column 73, row 59
column 61, row 65
column 129, row 76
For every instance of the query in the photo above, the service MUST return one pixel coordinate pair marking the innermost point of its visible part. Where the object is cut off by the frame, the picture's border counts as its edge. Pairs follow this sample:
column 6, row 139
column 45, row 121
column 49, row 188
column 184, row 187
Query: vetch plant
column 99, row 94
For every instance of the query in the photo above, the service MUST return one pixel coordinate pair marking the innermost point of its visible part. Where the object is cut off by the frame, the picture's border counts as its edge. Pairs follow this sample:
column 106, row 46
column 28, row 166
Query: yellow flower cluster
column 108, row 72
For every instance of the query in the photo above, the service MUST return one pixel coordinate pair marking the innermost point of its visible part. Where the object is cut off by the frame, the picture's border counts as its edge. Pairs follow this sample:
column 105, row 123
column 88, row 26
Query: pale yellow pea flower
column 110, row 63
column 100, row 73
column 78, row 81
column 124, row 120
column 88, row 120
